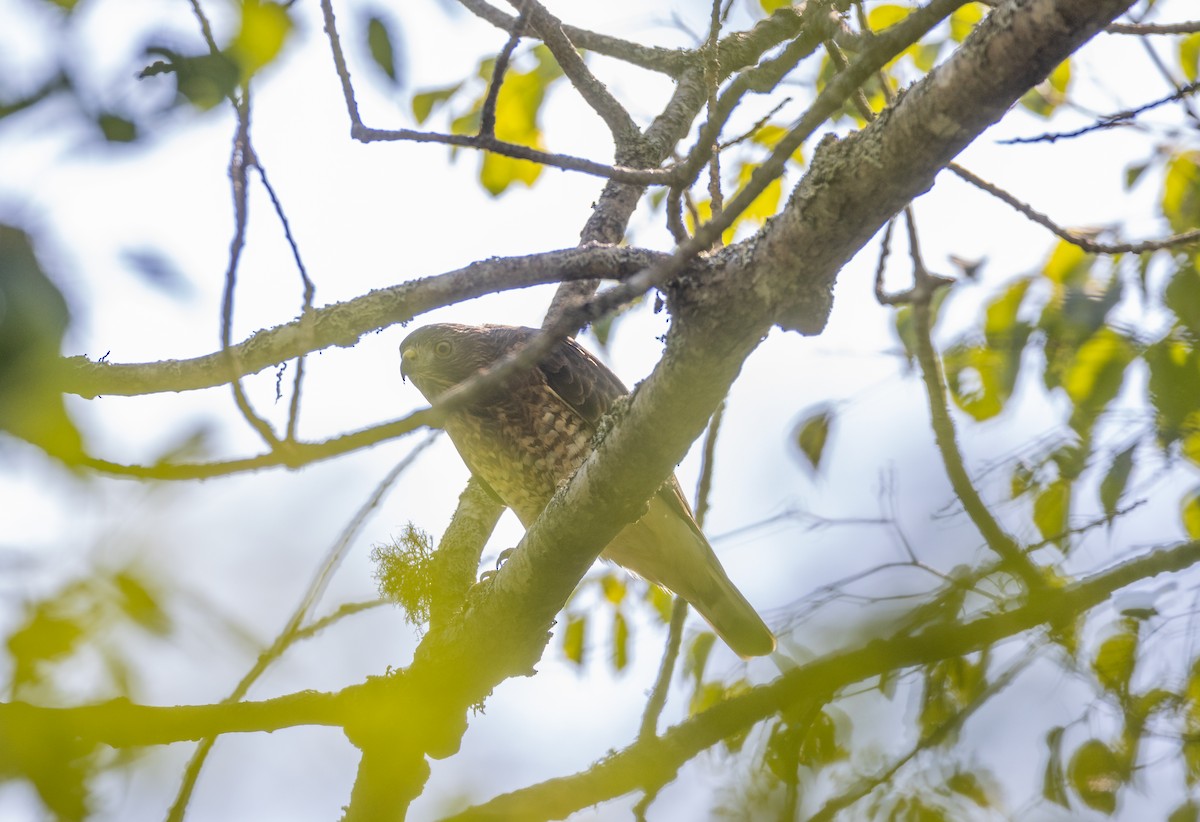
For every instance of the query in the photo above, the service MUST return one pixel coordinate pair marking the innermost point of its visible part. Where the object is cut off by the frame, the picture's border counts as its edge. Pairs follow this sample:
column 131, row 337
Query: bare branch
column 656, row 759
column 1189, row 27
column 550, row 29
column 1086, row 243
column 1107, row 121
column 343, row 324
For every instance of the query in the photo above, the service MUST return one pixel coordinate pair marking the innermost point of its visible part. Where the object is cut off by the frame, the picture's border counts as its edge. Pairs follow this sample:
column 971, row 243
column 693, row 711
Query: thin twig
column 1105, row 122
column 306, row 310
column 241, row 157
column 1087, row 244
column 932, row 739
column 294, row 628
column 712, row 74
column 1189, row 27
column 679, row 607
column 487, row 115
column 624, row 130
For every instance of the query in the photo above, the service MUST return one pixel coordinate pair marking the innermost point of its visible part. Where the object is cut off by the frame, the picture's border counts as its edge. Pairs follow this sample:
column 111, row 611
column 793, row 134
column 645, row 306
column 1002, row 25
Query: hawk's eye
column 443, row 348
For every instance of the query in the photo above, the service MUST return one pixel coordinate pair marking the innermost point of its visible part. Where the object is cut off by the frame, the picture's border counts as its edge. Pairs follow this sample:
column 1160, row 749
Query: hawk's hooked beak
column 407, row 358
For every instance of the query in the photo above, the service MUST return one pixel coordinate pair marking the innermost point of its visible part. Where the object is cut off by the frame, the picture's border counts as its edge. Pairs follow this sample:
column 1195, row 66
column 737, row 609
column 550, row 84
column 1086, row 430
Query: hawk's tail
column 666, row 547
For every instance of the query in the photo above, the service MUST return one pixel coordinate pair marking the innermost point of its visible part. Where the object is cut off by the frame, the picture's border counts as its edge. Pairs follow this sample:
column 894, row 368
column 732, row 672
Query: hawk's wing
column 583, row 382
column 590, row 388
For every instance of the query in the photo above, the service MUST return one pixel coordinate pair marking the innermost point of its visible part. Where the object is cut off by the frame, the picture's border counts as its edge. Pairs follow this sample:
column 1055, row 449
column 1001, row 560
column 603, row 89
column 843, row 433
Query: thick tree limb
column 784, row 275
column 343, row 324
column 652, row 758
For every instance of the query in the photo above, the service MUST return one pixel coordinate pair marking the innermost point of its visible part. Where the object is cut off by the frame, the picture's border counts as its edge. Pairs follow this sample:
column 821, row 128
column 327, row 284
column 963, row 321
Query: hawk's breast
column 523, row 445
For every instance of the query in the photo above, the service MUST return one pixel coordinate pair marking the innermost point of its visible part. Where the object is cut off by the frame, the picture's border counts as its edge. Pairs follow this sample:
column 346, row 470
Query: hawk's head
column 440, row 356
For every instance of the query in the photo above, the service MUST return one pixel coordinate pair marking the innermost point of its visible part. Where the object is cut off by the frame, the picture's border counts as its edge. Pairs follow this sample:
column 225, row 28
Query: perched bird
column 530, row 435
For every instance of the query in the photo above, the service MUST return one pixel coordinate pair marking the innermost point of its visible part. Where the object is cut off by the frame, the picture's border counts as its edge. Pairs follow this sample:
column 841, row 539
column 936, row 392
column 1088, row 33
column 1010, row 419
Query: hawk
column 527, row 437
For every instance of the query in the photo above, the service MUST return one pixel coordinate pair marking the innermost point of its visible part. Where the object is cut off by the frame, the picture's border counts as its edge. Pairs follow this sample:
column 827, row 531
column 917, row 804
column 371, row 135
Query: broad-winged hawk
column 525, row 438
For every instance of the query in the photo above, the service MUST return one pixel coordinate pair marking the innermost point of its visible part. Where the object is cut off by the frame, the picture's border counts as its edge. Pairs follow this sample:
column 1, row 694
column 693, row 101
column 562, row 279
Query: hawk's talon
column 486, row 576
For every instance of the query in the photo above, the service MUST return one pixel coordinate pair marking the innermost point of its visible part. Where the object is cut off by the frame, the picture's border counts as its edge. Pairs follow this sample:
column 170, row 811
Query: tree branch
column 651, row 759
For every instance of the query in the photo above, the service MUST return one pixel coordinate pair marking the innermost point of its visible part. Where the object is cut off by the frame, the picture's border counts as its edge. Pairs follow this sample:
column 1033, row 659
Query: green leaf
column 660, row 600
column 424, row 103
column 1190, row 513
column 696, row 657
column 265, row 28
column 964, row 19
column 203, row 80
column 117, row 129
column 1182, row 296
column 1133, row 173
column 379, row 44
column 770, row 6
column 1022, row 480
column 811, row 434
column 1115, row 661
column 1050, row 511
column 620, row 642
column 1054, row 783
column 140, row 605
column 1181, row 191
column 1096, row 775
column 1112, row 487
column 1189, row 56
column 1000, row 325
column 1095, row 377
column 886, row 16
column 967, row 784
column 613, row 588
column 33, row 321
column 1068, row 264
column 1174, row 387
column 981, row 379
column 573, row 639
column 1187, row 812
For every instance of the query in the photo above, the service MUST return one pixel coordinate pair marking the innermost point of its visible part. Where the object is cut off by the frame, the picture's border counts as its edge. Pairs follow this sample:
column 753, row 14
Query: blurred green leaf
column 980, row 379
column 1068, row 264
column 695, row 658
column 1054, row 783
column 819, row 746
column 140, row 604
column 1182, row 296
column 1189, row 56
column 383, row 53
column 660, row 600
column 46, row 636
column 1096, row 775
column 966, row 783
column 620, row 642
column 203, row 80
column 1095, row 377
column 613, row 588
column 265, row 27
column 1174, row 387
column 1133, row 173
column 425, row 102
column 1050, row 511
column 964, row 19
column 1112, row 487
column 811, row 434
column 574, row 637
column 1181, row 191
column 1022, row 480
column 1190, row 513
column 117, row 129
column 1115, row 661
column 33, row 320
